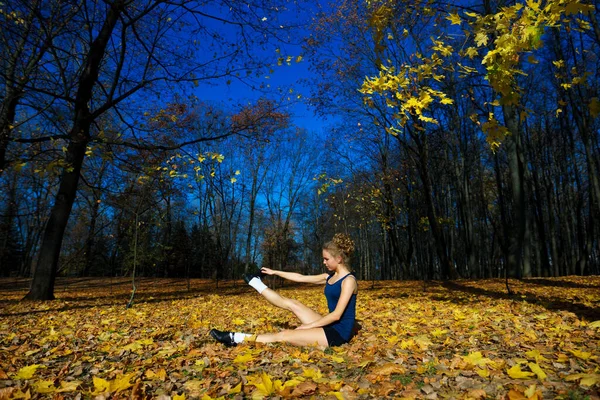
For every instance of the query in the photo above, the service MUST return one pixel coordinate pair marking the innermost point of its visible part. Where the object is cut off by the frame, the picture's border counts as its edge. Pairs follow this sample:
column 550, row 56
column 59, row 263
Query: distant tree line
column 444, row 159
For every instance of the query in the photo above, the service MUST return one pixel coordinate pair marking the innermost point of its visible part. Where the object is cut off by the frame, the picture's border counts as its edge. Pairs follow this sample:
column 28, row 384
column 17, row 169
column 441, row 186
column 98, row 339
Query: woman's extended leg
column 304, row 313
column 298, row 337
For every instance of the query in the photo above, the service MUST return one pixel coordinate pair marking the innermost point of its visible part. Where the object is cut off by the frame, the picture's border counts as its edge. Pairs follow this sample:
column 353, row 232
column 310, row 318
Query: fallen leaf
column 584, row 355
column 516, row 373
column 44, row 386
column 537, row 370
column 584, row 379
column 28, row 372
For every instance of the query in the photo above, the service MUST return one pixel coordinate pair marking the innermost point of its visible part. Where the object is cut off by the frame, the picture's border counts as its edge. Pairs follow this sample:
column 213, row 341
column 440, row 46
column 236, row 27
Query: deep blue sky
column 282, row 77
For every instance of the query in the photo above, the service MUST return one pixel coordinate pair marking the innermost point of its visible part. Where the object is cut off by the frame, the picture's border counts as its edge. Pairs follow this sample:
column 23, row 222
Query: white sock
column 239, row 337
column 257, row 284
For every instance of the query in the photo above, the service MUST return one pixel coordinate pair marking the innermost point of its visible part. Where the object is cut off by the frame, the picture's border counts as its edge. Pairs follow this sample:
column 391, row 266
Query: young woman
column 333, row 329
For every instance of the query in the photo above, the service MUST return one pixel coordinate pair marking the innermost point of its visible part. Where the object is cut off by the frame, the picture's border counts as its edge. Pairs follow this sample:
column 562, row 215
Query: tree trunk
column 42, row 285
column 91, row 240
column 7, row 118
column 516, row 232
column 446, row 268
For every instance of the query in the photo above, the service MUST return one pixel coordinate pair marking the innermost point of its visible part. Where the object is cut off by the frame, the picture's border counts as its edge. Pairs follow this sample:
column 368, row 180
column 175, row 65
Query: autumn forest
column 152, row 152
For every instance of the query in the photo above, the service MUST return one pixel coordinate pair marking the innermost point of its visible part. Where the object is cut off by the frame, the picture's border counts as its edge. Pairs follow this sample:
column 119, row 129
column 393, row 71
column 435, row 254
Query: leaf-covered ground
column 463, row 339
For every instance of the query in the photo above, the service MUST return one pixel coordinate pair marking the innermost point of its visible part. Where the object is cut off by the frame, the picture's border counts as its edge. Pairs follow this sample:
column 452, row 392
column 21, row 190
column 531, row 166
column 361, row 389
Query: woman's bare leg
column 304, row 313
column 298, row 337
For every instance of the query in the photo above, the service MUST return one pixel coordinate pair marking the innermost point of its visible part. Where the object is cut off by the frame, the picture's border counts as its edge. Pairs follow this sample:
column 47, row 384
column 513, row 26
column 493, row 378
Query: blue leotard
column 345, row 325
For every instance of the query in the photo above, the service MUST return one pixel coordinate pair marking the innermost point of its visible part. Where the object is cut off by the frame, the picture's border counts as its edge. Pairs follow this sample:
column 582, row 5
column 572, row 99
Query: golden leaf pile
column 461, row 339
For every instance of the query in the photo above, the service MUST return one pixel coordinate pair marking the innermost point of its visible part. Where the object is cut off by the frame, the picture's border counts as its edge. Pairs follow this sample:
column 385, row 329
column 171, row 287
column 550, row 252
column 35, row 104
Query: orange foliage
column 461, row 339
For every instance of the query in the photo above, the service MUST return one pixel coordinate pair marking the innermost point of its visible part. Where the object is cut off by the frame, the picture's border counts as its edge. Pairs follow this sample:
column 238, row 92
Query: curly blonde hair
column 340, row 246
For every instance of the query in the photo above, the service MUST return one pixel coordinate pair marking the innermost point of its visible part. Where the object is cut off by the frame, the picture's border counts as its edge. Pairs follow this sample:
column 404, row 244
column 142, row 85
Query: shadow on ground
column 550, row 303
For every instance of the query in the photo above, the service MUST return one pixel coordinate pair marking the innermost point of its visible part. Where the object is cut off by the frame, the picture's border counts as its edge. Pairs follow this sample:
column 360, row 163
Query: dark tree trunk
column 446, row 267
column 91, row 240
column 42, row 285
column 516, row 232
column 7, row 118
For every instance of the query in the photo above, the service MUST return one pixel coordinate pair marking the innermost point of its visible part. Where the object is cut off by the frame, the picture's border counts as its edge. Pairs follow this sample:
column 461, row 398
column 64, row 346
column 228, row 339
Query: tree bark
column 447, row 269
column 42, row 285
column 516, row 233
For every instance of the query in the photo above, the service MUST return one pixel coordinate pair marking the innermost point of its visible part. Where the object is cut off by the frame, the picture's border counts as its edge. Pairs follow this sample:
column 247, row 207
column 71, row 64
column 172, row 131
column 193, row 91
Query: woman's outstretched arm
column 296, row 277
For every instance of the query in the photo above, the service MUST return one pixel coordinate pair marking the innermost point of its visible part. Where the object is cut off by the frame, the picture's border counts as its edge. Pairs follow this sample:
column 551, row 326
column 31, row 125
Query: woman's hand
column 304, row 326
column 267, row 271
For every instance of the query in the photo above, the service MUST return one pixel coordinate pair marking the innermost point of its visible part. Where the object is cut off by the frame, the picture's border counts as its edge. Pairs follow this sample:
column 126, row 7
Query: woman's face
column 331, row 262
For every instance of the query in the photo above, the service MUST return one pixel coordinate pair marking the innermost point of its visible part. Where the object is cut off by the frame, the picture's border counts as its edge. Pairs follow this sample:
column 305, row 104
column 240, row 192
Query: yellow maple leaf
column 44, row 386
column 454, row 18
column 595, row 324
column 337, row 395
column 101, row 385
column 439, row 332
column 116, row 385
column 235, row 390
column 471, row 52
column 481, row 39
column 70, row 386
column 536, row 355
column 584, row 355
column 476, row 358
column 160, row 375
column 238, row 321
column 423, row 341
column 28, row 371
column 584, row 379
column 312, row 373
column 20, row 395
column 179, row 396
column 484, row 373
column 244, row 358
column 337, row 359
column 264, row 386
column 537, row 370
column 516, row 373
